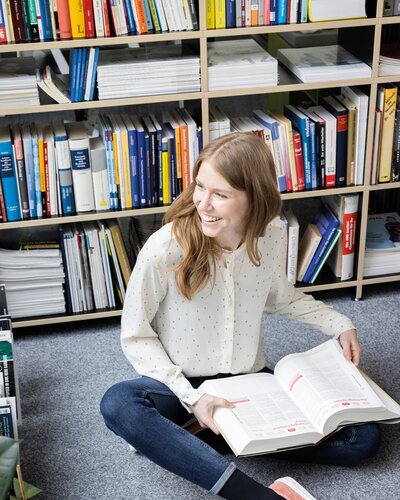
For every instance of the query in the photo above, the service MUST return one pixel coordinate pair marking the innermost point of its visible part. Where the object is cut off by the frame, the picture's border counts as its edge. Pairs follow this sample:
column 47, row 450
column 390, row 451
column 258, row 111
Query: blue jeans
column 149, row 416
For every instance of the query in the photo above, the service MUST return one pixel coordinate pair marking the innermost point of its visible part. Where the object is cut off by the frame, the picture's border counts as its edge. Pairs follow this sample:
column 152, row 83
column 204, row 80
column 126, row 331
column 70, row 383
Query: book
column 361, row 101
column 327, row 223
column 292, row 226
column 321, row 10
column 63, row 164
column 81, row 168
column 318, row 64
column 386, row 102
column 301, row 123
column 328, row 250
column 8, row 176
column 341, row 260
column 289, row 488
column 99, row 173
column 307, row 247
column 298, row 405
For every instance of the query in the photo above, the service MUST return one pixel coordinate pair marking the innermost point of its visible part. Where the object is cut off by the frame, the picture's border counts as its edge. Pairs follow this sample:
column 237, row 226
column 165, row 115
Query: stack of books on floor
column 240, row 64
column 33, row 277
column 18, row 85
column 320, row 64
column 389, row 59
column 147, row 71
column 382, row 251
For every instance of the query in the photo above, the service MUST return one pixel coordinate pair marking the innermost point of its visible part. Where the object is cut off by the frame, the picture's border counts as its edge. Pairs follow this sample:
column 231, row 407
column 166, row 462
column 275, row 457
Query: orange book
column 254, row 14
column 140, row 16
column 106, row 19
column 184, row 149
column 64, row 19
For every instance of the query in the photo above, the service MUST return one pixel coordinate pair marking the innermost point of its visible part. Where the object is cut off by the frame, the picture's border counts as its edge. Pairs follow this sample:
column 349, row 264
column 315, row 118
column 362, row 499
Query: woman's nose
column 205, row 200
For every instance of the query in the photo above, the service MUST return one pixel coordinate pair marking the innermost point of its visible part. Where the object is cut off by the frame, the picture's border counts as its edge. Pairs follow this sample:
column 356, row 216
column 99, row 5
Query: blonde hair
column 246, row 163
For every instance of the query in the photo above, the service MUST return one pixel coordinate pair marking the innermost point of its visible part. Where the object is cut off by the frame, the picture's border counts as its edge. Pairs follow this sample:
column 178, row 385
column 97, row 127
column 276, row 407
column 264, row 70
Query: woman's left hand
column 351, row 347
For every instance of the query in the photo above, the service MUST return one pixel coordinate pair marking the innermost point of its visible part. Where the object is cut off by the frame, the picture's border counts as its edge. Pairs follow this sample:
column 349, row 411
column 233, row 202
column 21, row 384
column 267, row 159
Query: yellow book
column 41, row 162
column 174, row 127
column 77, row 18
column 387, row 96
column 220, row 14
column 210, row 14
column 165, row 177
column 125, row 165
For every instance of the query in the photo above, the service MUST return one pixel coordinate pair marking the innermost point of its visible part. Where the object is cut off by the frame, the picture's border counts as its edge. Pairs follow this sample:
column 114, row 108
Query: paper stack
column 321, row 64
column 147, row 71
column 236, row 64
column 382, row 252
column 33, row 280
column 389, row 60
column 18, row 85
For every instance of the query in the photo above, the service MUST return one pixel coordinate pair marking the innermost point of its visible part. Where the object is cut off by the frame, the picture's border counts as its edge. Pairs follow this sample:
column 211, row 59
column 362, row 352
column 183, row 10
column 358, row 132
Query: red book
column 3, row 213
column 89, row 18
column 107, row 27
column 17, row 20
column 64, row 19
column 298, row 156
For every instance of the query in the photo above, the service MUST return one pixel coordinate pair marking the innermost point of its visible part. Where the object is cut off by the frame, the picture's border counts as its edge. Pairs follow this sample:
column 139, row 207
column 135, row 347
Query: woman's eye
column 220, row 195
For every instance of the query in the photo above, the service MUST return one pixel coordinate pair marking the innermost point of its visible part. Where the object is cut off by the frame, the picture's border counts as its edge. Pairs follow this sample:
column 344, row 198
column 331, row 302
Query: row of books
column 121, row 162
column 10, row 405
column 245, row 13
column 96, row 264
column 313, row 147
column 43, row 20
column 330, row 237
column 385, row 161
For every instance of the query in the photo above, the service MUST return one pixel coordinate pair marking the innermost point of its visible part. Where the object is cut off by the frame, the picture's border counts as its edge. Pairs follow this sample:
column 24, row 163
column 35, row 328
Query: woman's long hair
column 246, row 163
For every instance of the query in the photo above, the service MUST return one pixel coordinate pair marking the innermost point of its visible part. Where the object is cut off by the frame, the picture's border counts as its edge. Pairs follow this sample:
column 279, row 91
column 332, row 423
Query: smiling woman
column 193, row 311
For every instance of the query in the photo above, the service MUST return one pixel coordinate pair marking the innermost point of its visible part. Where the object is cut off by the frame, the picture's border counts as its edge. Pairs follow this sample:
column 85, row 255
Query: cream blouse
column 167, row 337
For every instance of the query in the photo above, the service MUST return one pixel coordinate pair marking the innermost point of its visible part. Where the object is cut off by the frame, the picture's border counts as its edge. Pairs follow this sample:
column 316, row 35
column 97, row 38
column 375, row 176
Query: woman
column 193, row 311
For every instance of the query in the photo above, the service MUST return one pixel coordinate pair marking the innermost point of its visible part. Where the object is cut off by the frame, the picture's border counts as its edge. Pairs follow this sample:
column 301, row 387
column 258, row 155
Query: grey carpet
column 68, row 452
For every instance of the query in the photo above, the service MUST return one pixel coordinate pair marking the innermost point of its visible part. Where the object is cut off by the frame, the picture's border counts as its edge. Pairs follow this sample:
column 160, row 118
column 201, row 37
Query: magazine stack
column 33, row 280
column 147, row 71
column 18, row 85
column 320, row 64
column 382, row 252
column 389, row 60
column 236, row 64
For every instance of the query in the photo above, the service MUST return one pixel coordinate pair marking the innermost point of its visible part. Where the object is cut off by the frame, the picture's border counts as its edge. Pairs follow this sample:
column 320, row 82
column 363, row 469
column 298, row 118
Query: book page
column 261, row 406
column 322, row 382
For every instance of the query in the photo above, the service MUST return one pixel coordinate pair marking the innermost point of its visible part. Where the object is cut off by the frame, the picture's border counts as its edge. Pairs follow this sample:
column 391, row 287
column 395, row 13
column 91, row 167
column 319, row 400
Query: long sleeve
column 286, row 300
column 146, row 290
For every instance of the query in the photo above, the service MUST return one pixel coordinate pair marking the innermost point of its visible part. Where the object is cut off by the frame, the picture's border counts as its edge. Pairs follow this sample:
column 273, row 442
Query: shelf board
column 280, row 28
column 106, row 103
column 389, row 20
column 384, row 185
column 328, row 286
column 381, row 279
column 321, row 192
column 50, row 320
column 101, row 42
column 54, row 221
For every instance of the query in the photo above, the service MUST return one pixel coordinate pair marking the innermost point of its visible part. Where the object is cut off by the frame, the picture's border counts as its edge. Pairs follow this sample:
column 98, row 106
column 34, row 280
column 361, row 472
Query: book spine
column 396, row 149
column 76, row 12
column 9, row 181
column 29, row 169
column 230, row 14
column 63, row 162
column 17, row 21
column 141, row 17
column 81, row 175
column 210, row 14
column 26, row 21
column 21, row 176
column 36, row 172
column 33, row 20
column 281, row 11
column 89, row 18
column 3, row 211
column 389, row 109
column 44, row 22
column 298, row 156
column 3, row 23
column 64, row 20
column 349, row 227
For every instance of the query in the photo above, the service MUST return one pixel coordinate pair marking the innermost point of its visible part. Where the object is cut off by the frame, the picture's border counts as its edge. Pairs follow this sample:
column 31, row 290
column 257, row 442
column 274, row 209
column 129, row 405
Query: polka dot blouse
column 167, row 337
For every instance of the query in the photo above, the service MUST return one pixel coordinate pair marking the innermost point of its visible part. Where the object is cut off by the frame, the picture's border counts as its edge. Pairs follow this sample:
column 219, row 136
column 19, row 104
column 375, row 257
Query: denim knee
column 113, row 404
column 363, row 443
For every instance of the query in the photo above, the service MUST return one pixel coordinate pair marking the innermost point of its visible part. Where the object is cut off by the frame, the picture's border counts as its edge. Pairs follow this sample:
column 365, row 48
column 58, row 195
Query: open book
column 310, row 395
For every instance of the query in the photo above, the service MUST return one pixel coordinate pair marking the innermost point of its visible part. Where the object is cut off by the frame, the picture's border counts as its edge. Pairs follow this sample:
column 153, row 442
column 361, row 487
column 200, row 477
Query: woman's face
column 223, row 210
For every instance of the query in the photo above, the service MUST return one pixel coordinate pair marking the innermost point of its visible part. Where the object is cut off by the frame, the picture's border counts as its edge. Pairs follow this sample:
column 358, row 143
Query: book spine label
column 82, row 178
column 9, row 183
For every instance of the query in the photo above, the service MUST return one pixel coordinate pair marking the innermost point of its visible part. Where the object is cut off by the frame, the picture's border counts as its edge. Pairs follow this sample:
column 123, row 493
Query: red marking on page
column 292, row 429
column 295, row 379
column 346, row 404
column 238, row 401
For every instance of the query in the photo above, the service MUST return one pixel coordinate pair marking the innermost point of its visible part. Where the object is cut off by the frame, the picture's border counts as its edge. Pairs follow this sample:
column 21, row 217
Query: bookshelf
column 204, row 98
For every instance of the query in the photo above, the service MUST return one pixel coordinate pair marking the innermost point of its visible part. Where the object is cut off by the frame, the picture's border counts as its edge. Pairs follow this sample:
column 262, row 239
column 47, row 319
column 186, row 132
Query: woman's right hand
column 204, row 408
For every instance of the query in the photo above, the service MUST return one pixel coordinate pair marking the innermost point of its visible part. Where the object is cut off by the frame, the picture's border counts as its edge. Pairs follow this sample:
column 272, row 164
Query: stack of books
column 240, row 64
column 382, row 251
column 33, row 280
column 143, row 71
column 389, row 59
column 18, row 85
column 320, row 64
